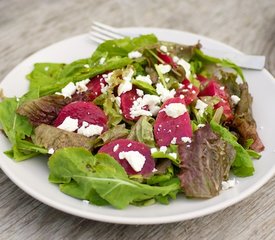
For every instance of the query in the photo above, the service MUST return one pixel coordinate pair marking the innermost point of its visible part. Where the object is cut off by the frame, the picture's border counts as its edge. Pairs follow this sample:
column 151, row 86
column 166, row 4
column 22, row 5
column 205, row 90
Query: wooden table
column 27, row 26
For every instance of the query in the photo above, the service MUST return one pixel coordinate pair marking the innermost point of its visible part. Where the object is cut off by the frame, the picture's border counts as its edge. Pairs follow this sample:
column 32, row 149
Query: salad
column 140, row 121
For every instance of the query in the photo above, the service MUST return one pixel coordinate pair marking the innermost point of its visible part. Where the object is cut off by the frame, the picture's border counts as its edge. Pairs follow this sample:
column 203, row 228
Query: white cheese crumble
column 102, row 60
column 229, row 184
column 164, row 93
column 201, row 106
column 68, row 90
column 175, row 110
column 126, row 85
column 174, row 140
column 163, row 49
column 186, row 139
column 153, row 150
column 86, row 65
column 104, row 88
column 222, row 88
column 81, row 85
column 89, row 130
column 134, row 54
column 175, row 59
column 164, row 68
column 115, row 147
column 46, row 68
column 186, row 66
column 201, row 125
column 69, row 124
column 134, row 158
column 146, row 79
column 235, row 99
column 71, row 88
column 107, row 77
column 51, row 151
column 151, row 101
column 163, row 149
column 140, row 93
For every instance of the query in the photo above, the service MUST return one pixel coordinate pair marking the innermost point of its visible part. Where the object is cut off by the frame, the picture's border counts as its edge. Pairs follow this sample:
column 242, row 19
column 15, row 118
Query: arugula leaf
column 44, row 74
column 199, row 55
column 146, row 87
column 17, row 128
column 242, row 165
column 169, row 154
column 84, row 73
column 100, row 178
column 121, row 47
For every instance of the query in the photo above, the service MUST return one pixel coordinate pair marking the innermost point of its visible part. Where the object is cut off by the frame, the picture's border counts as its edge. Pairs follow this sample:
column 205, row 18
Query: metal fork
column 101, row 32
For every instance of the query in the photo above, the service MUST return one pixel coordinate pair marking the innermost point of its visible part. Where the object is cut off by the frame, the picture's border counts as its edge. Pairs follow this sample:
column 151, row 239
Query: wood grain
column 27, row 26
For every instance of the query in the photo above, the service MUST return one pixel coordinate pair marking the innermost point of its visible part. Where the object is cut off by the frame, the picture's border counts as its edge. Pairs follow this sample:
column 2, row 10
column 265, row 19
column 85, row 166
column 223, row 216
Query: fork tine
column 106, row 33
column 95, row 39
column 108, row 28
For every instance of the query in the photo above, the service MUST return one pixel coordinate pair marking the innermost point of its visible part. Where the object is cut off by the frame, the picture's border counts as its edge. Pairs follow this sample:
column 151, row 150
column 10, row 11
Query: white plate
column 32, row 175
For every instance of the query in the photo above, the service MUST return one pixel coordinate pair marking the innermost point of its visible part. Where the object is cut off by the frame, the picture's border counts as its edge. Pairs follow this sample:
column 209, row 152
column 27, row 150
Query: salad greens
column 162, row 119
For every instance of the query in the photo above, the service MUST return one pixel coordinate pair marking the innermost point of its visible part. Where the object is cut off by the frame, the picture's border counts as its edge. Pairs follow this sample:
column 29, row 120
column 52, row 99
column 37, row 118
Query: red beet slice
column 213, row 88
column 202, row 79
column 127, row 101
column 188, row 91
column 83, row 111
column 166, row 59
column 94, row 89
column 167, row 128
column 115, row 147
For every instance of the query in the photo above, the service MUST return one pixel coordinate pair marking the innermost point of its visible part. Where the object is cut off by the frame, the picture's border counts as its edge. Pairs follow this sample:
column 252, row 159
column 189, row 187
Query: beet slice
column 167, row 128
column 213, row 88
column 167, row 59
column 94, row 89
column 188, row 91
column 125, row 145
column 83, row 111
column 127, row 101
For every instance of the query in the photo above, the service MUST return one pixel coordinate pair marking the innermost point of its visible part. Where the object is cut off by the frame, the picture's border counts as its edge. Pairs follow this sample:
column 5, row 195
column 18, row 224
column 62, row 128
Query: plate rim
column 136, row 220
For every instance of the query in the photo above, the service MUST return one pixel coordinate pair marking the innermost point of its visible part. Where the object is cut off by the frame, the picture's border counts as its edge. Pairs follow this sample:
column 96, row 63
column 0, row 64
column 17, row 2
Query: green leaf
column 80, row 73
column 142, row 131
column 111, row 110
column 99, row 179
column 16, row 127
column 169, row 154
column 66, row 162
column 199, row 55
column 144, row 86
column 44, row 74
column 119, row 131
column 121, row 47
column 242, row 165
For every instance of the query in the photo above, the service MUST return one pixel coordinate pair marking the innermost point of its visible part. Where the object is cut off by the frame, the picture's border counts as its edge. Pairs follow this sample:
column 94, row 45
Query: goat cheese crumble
column 134, row 158
column 201, row 106
column 134, row 54
column 175, row 110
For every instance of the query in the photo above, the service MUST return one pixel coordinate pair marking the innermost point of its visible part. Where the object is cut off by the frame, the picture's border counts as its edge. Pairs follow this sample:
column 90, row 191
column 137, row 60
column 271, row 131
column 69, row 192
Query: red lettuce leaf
column 205, row 163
